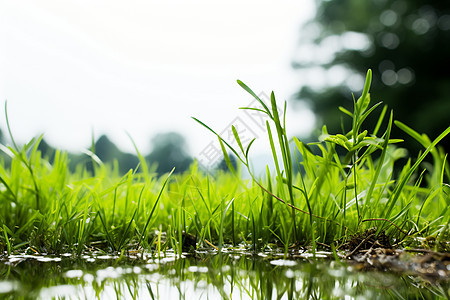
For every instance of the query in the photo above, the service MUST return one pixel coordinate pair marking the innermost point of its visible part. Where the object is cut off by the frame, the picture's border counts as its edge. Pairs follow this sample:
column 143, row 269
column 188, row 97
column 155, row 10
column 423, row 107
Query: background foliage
column 405, row 43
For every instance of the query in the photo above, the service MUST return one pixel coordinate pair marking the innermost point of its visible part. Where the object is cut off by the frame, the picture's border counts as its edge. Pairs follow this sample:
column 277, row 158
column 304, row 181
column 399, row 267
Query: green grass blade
column 221, row 225
column 345, row 111
column 144, row 231
column 8, row 244
column 380, row 120
column 422, row 139
column 225, row 142
column 245, row 87
column 226, row 157
column 401, row 184
column 380, row 163
column 236, row 136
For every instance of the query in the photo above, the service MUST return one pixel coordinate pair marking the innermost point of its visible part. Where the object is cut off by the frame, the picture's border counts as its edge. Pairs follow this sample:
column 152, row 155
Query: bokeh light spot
column 390, row 40
column 388, row 17
column 389, row 77
column 405, row 76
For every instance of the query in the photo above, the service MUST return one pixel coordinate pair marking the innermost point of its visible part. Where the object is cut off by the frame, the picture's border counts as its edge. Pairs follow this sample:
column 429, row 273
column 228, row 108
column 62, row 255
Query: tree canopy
column 169, row 151
column 405, row 43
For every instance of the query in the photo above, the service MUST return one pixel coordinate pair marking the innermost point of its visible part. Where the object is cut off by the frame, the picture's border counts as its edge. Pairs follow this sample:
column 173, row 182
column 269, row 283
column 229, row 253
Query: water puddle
column 203, row 276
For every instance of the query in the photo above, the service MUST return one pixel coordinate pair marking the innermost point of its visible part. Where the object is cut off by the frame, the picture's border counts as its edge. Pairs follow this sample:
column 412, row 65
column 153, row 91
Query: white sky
column 70, row 68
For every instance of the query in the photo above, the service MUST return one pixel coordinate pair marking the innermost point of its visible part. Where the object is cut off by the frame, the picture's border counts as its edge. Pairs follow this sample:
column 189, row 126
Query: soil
column 373, row 251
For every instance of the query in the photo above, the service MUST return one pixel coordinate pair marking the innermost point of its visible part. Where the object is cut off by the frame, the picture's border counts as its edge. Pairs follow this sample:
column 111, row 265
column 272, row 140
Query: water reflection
column 206, row 276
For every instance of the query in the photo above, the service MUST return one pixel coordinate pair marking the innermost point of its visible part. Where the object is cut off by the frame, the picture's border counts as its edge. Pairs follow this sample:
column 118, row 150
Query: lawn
column 321, row 195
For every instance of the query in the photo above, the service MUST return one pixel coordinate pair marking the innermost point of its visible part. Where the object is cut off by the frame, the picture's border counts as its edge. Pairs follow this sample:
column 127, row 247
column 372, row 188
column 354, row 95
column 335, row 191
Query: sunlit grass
column 47, row 208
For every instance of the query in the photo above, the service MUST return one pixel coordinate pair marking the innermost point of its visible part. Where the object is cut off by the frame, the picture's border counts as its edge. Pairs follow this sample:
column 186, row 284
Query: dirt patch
column 372, row 250
column 420, row 262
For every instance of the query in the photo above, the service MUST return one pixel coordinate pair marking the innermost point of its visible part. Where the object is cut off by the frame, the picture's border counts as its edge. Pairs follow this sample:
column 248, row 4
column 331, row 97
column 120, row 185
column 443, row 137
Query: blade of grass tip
column 255, row 109
column 421, row 138
column 225, row 142
column 345, row 111
column 142, row 160
column 367, row 84
column 398, row 189
column 221, row 225
column 93, row 156
column 248, row 148
column 246, row 88
column 154, row 207
column 238, row 140
column 425, row 142
column 9, row 128
column 92, row 148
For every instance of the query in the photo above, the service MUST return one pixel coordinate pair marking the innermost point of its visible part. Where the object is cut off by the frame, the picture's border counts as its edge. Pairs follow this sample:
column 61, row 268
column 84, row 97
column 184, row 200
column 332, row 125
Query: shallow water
column 205, row 276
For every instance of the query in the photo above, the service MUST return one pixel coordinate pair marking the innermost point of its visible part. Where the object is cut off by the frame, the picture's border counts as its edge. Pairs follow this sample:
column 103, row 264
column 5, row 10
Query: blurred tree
column 107, row 151
column 169, row 152
column 405, row 43
column 47, row 150
column 222, row 165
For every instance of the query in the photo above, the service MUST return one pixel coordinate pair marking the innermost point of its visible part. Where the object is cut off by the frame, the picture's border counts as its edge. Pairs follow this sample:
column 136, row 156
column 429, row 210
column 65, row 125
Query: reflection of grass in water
column 226, row 276
column 45, row 208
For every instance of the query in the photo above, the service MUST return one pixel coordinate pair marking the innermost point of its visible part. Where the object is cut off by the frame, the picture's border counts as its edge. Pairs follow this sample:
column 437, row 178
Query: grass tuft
column 49, row 209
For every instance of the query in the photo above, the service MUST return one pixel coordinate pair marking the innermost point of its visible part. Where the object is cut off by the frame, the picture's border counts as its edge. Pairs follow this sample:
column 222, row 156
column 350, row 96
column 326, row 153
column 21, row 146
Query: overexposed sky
column 70, row 68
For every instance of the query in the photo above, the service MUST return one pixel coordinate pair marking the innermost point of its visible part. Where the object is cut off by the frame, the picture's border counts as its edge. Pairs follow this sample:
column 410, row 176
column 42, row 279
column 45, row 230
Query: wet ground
column 238, row 274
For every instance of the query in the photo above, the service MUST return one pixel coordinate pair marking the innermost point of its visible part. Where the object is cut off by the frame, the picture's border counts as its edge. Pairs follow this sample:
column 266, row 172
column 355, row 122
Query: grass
column 46, row 208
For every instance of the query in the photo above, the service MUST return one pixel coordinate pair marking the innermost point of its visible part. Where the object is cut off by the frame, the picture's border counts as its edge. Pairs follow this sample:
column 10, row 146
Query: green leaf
column 398, row 189
column 236, row 136
column 253, row 108
column 364, row 100
column 421, row 138
column 272, row 147
column 345, row 111
column 367, row 113
column 154, row 207
column 226, row 157
column 273, row 102
column 248, row 148
column 228, row 145
column 222, row 223
column 336, row 140
column 245, row 87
